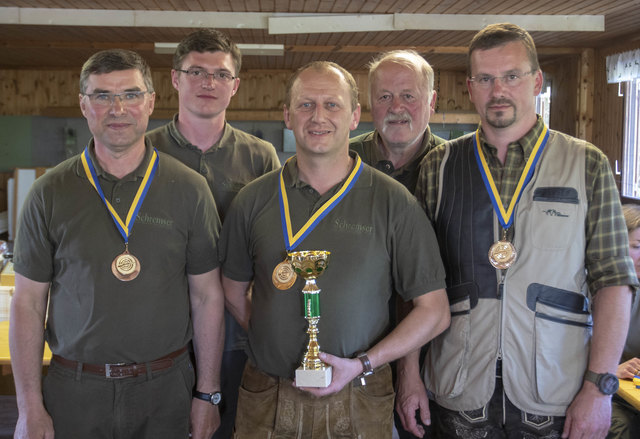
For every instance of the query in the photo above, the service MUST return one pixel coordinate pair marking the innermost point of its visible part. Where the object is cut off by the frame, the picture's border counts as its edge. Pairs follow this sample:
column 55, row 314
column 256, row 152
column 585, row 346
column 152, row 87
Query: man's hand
column 589, row 415
column 628, row 369
column 344, row 371
column 35, row 425
column 205, row 419
column 411, row 397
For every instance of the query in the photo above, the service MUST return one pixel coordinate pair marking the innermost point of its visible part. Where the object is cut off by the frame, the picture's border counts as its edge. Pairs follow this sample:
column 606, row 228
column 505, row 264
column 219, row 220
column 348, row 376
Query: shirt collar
column 184, row 143
column 139, row 172
column 525, row 143
column 292, row 177
column 378, row 156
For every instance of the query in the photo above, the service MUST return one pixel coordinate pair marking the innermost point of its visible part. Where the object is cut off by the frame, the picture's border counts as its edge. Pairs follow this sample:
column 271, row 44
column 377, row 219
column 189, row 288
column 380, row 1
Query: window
column 631, row 141
column 543, row 102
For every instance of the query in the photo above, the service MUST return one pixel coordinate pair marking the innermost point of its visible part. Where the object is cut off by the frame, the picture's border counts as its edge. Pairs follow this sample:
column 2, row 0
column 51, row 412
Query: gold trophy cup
column 309, row 265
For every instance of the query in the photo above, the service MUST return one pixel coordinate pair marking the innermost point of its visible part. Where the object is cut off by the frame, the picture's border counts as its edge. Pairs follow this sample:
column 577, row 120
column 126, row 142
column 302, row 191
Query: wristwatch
column 607, row 382
column 366, row 367
column 214, row 398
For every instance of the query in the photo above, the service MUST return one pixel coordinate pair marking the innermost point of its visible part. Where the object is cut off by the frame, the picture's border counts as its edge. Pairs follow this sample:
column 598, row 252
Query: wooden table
column 629, row 393
column 5, row 356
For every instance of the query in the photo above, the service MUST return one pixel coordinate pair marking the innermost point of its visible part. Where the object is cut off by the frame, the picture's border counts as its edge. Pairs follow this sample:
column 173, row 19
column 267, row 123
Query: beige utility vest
column 539, row 322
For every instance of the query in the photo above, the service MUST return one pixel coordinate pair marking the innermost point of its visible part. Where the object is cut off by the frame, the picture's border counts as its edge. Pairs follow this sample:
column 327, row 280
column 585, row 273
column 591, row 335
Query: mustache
column 397, row 117
column 500, row 101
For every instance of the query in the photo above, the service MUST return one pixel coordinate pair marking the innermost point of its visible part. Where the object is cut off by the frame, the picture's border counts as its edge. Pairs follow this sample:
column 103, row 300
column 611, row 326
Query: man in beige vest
column 538, row 272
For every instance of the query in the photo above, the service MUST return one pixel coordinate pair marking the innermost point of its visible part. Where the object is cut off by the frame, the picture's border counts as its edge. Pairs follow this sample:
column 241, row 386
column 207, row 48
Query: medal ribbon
column 506, row 217
column 123, row 227
column 291, row 241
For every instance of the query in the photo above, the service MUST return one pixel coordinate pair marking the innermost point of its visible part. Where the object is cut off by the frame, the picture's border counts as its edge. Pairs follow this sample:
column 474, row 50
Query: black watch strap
column 214, row 398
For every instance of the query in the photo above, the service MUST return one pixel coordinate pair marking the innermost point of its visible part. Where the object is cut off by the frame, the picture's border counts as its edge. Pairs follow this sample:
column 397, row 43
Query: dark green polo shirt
column 67, row 237
column 379, row 239
column 367, row 147
column 235, row 160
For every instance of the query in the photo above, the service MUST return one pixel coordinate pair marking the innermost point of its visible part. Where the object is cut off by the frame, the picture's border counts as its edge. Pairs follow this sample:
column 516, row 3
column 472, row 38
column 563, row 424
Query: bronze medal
column 502, row 254
column 125, row 266
column 283, row 276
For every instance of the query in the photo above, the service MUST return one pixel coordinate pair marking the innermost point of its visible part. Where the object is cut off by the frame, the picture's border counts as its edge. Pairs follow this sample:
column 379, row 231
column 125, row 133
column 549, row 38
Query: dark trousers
column 625, row 420
column 232, row 366
column 498, row 419
column 154, row 405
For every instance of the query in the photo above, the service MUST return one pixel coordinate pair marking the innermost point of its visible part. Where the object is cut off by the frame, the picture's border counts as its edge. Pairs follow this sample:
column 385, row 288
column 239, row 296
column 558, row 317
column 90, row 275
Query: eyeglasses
column 509, row 80
column 202, row 74
column 128, row 98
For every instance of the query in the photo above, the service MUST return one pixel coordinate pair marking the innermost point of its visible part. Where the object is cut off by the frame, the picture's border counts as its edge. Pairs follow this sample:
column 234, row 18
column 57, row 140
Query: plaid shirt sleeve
column 607, row 254
column 429, row 179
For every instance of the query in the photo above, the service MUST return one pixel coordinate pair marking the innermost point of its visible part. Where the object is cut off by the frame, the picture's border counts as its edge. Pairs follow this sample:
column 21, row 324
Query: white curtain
column 623, row 67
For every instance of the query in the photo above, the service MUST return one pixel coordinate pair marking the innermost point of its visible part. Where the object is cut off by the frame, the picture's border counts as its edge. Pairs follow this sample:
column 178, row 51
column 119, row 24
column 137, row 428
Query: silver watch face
column 216, row 398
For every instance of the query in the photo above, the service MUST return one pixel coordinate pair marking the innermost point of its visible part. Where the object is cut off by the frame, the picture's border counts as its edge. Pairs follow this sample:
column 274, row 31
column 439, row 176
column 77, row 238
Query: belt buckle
column 108, row 372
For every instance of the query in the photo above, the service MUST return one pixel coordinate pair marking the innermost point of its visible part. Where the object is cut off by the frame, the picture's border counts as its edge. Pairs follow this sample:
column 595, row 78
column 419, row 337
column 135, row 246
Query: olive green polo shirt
column 367, row 146
column 379, row 238
column 67, row 237
column 232, row 162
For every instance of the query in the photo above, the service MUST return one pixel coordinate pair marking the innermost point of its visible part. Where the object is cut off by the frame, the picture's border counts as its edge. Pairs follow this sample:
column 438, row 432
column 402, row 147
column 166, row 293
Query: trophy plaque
column 309, row 265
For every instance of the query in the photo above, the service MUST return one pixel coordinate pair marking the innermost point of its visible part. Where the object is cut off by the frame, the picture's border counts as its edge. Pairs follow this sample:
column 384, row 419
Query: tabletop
column 5, row 356
column 629, row 393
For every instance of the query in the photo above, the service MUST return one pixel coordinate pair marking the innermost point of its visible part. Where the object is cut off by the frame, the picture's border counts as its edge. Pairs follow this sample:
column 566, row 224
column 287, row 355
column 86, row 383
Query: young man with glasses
column 205, row 73
column 538, row 271
column 116, row 255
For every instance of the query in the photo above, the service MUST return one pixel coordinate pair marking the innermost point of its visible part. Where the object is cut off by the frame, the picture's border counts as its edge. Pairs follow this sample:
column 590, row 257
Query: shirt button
column 204, row 171
column 117, row 200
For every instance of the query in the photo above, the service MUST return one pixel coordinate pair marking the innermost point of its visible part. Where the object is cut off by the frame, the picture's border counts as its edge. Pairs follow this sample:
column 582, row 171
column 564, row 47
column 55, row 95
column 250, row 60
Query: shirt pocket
column 553, row 217
column 562, row 334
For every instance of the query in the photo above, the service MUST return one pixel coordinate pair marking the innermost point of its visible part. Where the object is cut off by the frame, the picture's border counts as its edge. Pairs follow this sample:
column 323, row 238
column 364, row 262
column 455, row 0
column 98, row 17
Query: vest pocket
column 562, row 335
column 553, row 217
column 448, row 357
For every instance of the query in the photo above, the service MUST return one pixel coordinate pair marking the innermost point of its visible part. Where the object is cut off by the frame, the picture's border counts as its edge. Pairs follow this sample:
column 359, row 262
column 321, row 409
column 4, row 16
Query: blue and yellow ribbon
column 506, row 217
column 292, row 241
column 126, row 226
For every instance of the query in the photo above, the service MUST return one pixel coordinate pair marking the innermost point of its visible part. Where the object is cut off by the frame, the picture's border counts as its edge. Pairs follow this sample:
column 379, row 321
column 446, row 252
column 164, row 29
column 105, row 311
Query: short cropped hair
column 207, row 40
column 115, row 60
column 406, row 58
column 321, row 66
column 498, row 34
column 631, row 214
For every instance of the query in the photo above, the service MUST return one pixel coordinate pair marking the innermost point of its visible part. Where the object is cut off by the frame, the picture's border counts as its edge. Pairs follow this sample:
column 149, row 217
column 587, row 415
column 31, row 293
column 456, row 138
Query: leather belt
column 121, row 370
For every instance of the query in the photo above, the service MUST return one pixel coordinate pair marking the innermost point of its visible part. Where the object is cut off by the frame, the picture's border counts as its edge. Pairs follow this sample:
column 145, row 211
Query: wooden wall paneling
column 453, row 95
column 260, row 96
column 608, row 115
column 563, row 76
column 584, row 127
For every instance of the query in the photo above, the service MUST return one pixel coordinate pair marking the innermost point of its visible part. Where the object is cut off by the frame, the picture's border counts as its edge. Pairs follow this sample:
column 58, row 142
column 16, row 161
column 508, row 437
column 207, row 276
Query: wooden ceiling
column 28, row 46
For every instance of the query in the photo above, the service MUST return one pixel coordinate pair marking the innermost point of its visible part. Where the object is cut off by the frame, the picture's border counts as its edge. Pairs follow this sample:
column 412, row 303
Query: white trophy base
column 313, row 378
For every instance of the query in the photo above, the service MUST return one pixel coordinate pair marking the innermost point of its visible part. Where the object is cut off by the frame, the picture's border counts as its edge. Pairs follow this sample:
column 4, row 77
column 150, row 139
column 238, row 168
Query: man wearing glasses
column 119, row 243
column 205, row 73
column 538, row 272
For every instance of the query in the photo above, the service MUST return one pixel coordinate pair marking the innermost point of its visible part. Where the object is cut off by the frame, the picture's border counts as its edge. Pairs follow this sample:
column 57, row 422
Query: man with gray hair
column 116, row 255
column 402, row 100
